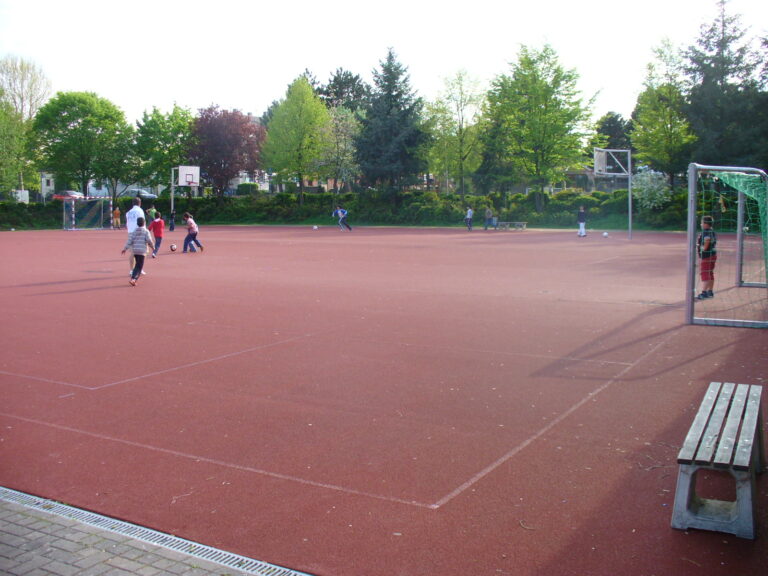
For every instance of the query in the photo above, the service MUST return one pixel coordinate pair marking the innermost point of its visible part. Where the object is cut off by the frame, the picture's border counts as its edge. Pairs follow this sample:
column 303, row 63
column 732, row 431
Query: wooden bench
column 515, row 225
column 726, row 434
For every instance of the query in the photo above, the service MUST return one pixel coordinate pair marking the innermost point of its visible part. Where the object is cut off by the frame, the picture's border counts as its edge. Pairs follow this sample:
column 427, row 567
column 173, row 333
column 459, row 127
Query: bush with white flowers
column 651, row 189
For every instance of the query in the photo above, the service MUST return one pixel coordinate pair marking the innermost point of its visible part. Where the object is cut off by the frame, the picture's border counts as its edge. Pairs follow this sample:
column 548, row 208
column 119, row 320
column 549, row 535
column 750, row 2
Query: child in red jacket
column 157, row 228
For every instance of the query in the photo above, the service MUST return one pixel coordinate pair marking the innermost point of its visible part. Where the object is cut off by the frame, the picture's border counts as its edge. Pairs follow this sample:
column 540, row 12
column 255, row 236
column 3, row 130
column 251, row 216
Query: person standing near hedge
column 488, row 217
column 581, row 218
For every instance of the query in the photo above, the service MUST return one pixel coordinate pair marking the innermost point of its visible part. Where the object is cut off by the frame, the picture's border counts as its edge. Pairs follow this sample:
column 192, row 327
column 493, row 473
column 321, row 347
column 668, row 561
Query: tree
column 392, row 145
column 661, row 132
column 345, row 89
column 297, row 132
column 117, row 163
column 225, row 144
column 25, row 88
column 723, row 97
column 338, row 156
column 615, row 131
column 535, row 120
column 12, row 137
column 456, row 139
column 76, row 133
column 163, row 141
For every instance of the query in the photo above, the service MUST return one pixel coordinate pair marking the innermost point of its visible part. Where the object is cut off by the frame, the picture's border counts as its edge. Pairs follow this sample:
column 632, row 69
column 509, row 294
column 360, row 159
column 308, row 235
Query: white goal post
column 87, row 214
column 736, row 200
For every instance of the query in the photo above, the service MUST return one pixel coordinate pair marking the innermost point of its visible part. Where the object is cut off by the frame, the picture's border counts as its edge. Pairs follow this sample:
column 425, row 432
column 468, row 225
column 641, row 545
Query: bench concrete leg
column 736, row 518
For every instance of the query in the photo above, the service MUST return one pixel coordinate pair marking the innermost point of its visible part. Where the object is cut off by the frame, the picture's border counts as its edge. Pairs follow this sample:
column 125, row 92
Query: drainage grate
column 240, row 563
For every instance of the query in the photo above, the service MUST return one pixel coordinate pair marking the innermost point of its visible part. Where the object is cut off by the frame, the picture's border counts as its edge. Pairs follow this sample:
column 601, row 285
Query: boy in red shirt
column 157, row 228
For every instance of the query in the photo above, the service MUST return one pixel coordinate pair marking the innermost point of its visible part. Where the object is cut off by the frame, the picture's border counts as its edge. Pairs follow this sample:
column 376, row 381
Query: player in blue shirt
column 341, row 214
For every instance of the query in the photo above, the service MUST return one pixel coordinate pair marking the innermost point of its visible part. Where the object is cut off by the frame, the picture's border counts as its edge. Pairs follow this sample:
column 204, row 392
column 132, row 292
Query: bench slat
column 730, row 432
column 688, row 451
column 712, row 433
column 749, row 431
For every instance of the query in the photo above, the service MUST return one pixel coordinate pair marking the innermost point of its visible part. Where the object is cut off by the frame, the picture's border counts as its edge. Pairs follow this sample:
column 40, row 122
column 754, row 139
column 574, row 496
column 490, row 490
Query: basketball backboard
column 189, row 175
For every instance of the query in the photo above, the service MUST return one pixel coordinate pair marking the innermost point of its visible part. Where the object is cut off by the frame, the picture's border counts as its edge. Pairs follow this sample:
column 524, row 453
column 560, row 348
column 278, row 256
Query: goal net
column 87, row 214
column 737, row 200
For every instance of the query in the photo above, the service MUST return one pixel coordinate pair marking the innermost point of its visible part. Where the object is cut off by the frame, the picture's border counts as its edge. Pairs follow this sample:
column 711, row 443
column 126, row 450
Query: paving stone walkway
column 36, row 543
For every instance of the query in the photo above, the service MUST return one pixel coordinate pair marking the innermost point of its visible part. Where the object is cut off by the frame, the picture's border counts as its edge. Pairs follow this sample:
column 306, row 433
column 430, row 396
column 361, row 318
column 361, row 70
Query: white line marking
column 605, row 260
column 222, row 463
column 46, row 380
column 164, row 371
column 441, row 502
column 491, row 467
column 206, row 361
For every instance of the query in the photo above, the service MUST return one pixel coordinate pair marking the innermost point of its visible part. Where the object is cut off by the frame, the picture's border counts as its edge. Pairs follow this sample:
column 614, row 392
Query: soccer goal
column 737, row 200
column 87, row 214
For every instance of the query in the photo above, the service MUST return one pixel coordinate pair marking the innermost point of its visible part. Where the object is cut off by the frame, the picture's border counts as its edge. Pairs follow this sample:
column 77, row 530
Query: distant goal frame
column 77, row 216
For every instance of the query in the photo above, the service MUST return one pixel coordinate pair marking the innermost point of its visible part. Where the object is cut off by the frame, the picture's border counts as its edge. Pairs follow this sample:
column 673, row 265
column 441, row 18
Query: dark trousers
column 139, row 258
column 190, row 241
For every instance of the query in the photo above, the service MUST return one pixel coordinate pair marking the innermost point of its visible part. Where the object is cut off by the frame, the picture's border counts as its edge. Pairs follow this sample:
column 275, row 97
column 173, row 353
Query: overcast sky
column 242, row 55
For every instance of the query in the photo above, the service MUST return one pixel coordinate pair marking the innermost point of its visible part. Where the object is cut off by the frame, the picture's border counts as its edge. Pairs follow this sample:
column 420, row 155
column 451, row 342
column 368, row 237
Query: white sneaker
column 143, row 273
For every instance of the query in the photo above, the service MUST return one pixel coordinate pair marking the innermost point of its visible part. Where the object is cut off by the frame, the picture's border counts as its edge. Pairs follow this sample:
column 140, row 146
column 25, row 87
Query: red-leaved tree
column 226, row 143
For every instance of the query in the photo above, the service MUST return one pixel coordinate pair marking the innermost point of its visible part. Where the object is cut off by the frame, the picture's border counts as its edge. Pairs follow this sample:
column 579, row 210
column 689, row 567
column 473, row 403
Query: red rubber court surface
column 382, row 402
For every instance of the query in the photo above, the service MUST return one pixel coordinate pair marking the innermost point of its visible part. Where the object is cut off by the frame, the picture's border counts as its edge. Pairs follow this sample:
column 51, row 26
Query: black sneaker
column 702, row 296
column 710, row 294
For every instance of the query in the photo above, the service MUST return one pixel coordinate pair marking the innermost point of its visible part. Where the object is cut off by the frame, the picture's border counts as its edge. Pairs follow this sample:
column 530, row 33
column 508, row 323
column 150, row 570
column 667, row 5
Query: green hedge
column 383, row 207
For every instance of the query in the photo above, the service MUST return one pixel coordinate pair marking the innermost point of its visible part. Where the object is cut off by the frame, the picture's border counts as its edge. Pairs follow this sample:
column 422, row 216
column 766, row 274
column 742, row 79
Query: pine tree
column 392, row 144
column 723, row 92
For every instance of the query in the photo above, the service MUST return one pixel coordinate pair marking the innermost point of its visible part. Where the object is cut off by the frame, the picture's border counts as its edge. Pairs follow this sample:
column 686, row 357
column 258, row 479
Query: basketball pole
column 629, row 189
column 172, row 188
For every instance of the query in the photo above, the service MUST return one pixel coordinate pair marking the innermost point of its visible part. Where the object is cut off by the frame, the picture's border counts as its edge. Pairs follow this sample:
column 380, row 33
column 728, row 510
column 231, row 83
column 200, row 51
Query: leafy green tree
column 338, row 156
column 535, row 123
column 455, row 147
column 226, row 143
column 163, row 141
column 75, row 134
column 615, row 131
column 441, row 157
column 345, row 89
column 661, row 133
column 117, row 164
column 297, row 135
column 393, row 143
column 12, row 137
column 723, row 97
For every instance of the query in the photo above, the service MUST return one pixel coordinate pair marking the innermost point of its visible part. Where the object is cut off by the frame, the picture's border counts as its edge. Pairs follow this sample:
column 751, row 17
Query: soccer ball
column 314, row 227
column 605, row 234
column 173, row 247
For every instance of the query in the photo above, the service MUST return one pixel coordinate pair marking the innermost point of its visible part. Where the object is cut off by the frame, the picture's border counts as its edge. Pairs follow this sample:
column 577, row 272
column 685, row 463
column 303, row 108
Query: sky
column 236, row 54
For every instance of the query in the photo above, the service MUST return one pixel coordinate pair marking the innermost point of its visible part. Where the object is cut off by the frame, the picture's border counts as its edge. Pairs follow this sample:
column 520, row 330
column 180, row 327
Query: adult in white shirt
column 130, row 223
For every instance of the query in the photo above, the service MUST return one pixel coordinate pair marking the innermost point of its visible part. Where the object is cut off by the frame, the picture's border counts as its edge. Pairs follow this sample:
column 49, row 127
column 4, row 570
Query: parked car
column 143, row 194
column 68, row 195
